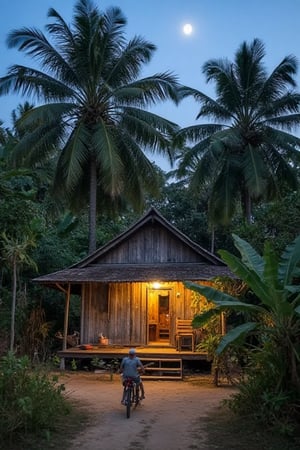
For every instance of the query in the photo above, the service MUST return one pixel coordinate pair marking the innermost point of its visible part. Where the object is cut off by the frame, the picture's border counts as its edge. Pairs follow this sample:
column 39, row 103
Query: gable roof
column 105, row 265
column 151, row 217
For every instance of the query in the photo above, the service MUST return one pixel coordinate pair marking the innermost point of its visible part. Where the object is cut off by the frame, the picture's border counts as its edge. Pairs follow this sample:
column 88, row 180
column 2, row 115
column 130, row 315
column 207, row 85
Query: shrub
column 265, row 396
column 30, row 399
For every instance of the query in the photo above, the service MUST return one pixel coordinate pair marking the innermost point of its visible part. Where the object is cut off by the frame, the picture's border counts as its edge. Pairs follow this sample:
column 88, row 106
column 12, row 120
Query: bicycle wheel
column 136, row 396
column 128, row 401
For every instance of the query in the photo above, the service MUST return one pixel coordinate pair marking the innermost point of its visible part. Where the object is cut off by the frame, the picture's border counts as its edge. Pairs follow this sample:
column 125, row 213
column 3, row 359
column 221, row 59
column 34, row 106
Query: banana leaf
column 209, row 292
column 270, row 275
column 289, row 262
column 250, row 257
column 253, row 280
column 202, row 319
column 238, row 333
column 222, row 300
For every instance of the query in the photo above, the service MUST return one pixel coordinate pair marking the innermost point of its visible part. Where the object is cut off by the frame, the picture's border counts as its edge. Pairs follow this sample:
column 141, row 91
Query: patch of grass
column 208, row 382
column 228, row 431
column 66, row 428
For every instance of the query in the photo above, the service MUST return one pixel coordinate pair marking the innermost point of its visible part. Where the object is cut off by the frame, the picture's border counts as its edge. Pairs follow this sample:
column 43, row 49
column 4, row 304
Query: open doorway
column 159, row 315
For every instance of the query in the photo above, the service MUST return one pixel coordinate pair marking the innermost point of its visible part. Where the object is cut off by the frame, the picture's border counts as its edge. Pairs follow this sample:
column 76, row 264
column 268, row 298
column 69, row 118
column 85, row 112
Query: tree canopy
column 247, row 152
column 93, row 108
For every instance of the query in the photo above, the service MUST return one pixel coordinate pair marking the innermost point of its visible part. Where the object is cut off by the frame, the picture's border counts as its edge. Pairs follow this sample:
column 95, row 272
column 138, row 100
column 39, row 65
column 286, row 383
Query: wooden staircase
column 162, row 368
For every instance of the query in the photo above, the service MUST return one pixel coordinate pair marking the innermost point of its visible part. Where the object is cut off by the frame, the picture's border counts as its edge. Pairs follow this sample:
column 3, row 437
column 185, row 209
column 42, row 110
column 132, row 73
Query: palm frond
column 196, row 133
column 33, row 83
column 254, row 171
column 149, row 91
column 108, row 158
column 223, row 195
column 61, row 32
column 127, row 66
column 148, row 129
column 280, row 79
column 35, row 44
column 250, row 72
column 286, row 105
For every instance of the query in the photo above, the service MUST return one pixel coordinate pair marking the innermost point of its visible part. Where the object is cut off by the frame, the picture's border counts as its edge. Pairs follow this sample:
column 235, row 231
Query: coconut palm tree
column 247, row 151
column 93, row 106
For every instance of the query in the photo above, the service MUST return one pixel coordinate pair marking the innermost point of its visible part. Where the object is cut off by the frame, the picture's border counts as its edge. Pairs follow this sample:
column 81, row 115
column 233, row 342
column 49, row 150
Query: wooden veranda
column 162, row 362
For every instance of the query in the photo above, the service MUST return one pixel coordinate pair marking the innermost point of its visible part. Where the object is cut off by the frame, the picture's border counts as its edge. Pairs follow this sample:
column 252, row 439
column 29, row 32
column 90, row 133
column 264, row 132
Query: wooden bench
column 185, row 335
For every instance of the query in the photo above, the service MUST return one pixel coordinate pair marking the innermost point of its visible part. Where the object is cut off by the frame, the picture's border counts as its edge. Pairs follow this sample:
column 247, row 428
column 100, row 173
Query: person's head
column 132, row 353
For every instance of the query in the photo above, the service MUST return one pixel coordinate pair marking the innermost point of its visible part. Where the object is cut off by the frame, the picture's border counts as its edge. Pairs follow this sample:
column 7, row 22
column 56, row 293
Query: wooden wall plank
column 120, row 311
column 151, row 244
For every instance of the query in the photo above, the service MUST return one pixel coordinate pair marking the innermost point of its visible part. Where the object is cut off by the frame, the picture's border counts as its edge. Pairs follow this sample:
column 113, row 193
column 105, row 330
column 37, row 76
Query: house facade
column 132, row 288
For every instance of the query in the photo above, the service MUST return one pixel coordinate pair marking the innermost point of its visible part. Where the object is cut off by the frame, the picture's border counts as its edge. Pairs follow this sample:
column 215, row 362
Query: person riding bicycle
column 130, row 367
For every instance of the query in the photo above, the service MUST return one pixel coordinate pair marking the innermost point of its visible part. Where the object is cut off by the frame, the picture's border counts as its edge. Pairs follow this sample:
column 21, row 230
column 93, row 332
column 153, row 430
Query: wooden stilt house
column 132, row 288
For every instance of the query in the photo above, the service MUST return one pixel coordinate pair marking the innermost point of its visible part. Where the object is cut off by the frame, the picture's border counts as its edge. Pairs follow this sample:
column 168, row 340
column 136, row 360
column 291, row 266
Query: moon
column 187, row 29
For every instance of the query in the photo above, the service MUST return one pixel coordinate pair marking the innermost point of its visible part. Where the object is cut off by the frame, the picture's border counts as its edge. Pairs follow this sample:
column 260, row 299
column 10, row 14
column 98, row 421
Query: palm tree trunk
column 212, row 244
column 247, row 206
column 92, row 206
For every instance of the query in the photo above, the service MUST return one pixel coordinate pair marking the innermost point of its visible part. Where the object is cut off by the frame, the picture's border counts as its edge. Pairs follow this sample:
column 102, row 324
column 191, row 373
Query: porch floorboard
column 119, row 351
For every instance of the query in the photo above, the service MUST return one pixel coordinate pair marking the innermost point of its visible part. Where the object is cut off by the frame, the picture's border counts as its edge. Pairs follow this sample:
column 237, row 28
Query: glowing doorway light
column 156, row 285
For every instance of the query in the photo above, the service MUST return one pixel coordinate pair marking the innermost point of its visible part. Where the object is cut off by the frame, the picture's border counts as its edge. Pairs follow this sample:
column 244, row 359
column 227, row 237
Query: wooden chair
column 185, row 336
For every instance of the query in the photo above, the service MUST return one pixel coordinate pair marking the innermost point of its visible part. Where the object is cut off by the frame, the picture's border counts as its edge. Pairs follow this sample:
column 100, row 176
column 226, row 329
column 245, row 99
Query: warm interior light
column 156, row 285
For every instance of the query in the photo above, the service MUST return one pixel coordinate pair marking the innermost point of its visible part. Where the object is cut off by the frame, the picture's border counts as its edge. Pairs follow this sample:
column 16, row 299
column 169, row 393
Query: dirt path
column 170, row 417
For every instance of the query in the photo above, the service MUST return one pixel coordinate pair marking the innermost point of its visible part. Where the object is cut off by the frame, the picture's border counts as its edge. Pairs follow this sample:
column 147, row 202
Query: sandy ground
column 170, row 418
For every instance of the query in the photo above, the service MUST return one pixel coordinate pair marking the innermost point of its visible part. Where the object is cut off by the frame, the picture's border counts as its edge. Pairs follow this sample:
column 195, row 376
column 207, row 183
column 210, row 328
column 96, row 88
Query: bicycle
column 131, row 394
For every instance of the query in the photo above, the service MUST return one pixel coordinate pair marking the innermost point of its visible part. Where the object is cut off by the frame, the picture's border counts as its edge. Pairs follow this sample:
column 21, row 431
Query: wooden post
column 66, row 321
column 66, row 318
column 62, row 364
column 223, row 324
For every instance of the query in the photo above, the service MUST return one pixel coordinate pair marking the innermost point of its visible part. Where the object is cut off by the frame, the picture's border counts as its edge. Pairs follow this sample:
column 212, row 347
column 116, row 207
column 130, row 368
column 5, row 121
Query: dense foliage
column 30, row 400
column 271, row 390
column 87, row 142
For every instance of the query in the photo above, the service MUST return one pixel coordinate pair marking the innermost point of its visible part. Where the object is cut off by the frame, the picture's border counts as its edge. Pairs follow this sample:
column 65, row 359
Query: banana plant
column 275, row 318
